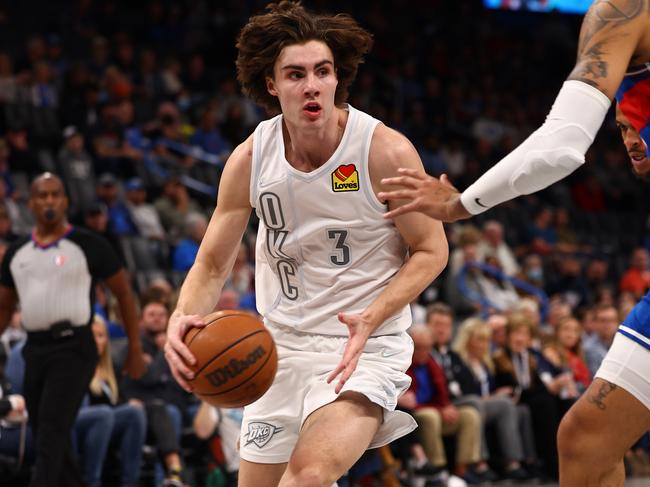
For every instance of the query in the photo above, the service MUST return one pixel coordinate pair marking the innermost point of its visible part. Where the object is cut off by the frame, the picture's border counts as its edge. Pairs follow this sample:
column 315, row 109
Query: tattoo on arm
column 598, row 398
column 603, row 19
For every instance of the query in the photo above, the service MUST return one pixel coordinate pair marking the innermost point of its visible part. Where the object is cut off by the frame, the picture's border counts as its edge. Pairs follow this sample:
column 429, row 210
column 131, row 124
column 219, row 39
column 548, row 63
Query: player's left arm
column 428, row 252
column 425, row 237
column 610, row 34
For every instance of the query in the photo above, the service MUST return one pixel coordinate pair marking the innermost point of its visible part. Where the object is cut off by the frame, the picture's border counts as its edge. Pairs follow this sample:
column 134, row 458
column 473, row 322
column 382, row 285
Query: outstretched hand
column 359, row 329
column 438, row 199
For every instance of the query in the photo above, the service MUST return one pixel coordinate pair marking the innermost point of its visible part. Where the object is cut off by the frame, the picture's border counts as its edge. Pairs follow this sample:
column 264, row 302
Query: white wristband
column 551, row 153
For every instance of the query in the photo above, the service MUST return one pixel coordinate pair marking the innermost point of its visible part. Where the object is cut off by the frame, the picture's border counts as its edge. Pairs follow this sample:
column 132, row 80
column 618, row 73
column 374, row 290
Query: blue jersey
column 633, row 97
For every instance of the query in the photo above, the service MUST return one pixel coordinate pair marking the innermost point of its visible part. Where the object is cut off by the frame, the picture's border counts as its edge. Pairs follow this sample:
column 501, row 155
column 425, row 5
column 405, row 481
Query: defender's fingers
column 407, row 208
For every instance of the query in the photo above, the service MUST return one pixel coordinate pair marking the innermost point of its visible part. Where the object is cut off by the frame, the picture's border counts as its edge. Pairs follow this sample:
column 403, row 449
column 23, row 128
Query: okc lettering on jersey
column 220, row 376
column 276, row 236
column 345, row 178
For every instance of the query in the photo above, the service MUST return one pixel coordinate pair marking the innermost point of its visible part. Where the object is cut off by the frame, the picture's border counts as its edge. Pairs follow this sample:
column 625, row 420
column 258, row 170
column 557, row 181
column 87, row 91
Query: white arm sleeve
column 551, row 153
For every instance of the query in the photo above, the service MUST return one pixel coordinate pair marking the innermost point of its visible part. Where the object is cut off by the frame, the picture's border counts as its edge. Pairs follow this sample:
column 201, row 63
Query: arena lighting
column 564, row 6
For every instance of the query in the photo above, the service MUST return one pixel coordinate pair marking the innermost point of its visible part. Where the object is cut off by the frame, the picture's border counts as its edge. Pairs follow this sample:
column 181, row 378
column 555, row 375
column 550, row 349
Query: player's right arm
column 611, row 32
column 214, row 261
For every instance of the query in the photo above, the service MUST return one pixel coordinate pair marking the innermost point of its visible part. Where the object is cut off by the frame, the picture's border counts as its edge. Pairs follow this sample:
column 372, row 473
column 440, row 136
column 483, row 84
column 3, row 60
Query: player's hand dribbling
column 177, row 354
column 436, row 198
column 359, row 328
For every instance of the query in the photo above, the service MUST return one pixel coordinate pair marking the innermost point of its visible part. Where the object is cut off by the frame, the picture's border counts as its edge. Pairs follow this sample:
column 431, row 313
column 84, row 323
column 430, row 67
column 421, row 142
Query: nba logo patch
column 59, row 260
column 345, row 178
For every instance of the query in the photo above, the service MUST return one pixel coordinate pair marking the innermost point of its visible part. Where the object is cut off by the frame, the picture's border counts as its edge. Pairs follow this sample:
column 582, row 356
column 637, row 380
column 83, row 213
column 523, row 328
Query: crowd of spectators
column 136, row 106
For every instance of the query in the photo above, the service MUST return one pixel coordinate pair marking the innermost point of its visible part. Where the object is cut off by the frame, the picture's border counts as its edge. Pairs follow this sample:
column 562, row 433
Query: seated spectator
column 226, row 423
column 13, row 412
column 209, row 137
column 435, row 413
column 173, row 207
column 21, row 218
column 77, row 170
column 144, row 215
column 120, row 221
column 96, row 219
column 497, row 323
column 636, row 278
column 153, row 391
column 6, row 231
column 511, row 422
column 493, row 243
column 242, row 276
column 185, row 252
column 606, row 322
column 460, row 383
column 107, row 422
column 542, row 238
column 565, row 352
column 518, row 366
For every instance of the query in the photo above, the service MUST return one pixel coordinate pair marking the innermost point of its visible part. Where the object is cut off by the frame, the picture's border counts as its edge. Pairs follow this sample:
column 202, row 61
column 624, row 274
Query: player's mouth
column 638, row 158
column 312, row 110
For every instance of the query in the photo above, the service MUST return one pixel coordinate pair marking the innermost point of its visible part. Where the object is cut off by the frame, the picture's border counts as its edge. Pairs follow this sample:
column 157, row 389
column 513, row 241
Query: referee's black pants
column 58, row 372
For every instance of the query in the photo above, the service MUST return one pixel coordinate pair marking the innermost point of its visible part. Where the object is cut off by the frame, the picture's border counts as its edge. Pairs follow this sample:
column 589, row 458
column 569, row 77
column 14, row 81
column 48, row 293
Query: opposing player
column 613, row 59
column 333, row 277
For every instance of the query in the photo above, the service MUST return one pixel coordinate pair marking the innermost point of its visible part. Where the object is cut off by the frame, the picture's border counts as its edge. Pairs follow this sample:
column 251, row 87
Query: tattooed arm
column 610, row 34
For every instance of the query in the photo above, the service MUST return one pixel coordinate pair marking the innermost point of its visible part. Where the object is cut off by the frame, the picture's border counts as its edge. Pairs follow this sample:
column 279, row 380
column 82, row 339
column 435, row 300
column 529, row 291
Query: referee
column 52, row 273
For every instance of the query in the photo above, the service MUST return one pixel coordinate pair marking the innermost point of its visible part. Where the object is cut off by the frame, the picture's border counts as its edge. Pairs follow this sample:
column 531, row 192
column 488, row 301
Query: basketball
column 236, row 358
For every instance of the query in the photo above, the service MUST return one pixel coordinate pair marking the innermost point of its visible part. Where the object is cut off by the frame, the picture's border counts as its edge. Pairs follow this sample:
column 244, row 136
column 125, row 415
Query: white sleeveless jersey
column 322, row 244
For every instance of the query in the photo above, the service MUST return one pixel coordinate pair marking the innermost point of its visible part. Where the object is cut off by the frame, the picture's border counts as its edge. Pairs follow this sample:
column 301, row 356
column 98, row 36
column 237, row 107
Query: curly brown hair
column 262, row 39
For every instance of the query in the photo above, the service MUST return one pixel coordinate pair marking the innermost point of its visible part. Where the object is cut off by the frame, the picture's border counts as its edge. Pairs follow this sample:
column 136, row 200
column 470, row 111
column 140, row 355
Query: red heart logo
column 347, row 170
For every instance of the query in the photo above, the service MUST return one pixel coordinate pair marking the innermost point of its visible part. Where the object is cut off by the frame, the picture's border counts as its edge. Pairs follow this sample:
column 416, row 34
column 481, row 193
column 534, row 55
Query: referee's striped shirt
column 56, row 282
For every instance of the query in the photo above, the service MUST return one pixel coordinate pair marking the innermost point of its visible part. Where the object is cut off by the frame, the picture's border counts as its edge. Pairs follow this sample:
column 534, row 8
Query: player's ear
column 270, row 86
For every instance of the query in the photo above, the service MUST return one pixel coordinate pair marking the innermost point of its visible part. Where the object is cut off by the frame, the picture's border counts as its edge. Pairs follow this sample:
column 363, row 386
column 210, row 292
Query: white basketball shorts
column 627, row 364
column 271, row 424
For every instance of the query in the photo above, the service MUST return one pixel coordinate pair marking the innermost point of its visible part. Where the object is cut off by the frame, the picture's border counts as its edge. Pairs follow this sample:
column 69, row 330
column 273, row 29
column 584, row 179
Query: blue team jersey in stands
column 633, row 97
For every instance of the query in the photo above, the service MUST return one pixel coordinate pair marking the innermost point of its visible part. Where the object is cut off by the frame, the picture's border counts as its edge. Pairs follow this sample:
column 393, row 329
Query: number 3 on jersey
column 342, row 256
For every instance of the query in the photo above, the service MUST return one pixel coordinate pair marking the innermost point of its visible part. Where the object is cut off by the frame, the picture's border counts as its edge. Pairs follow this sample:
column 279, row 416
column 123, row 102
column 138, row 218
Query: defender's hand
column 435, row 198
column 177, row 354
column 359, row 328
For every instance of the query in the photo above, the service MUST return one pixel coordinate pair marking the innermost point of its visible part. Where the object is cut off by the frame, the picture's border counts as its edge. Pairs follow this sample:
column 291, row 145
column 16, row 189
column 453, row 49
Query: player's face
column 48, row 201
column 635, row 146
column 304, row 80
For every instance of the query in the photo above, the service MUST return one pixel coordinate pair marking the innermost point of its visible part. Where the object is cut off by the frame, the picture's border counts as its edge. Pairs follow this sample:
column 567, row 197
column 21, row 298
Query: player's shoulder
column 242, row 156
column 390, row 149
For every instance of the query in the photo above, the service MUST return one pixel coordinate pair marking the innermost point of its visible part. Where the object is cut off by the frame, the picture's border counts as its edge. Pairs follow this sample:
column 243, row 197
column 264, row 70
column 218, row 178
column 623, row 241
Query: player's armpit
column 609, row 36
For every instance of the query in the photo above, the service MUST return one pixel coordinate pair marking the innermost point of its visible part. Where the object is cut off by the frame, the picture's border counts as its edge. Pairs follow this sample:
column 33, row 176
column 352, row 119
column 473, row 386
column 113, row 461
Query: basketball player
column 333, row 277
column 613, row 60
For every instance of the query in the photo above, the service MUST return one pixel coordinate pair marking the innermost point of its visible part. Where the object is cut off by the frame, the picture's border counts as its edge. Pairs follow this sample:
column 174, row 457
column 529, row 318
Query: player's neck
column 308, row 150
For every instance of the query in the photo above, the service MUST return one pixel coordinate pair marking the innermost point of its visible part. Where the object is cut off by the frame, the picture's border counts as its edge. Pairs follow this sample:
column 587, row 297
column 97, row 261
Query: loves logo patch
column 345, row 178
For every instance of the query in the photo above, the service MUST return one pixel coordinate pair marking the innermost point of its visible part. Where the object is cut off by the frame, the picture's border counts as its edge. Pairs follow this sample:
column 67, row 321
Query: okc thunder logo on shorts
column 345, row 178
column 261, row 433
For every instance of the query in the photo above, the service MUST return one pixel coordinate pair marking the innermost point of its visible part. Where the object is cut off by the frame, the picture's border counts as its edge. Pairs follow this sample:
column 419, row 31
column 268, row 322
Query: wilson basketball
column 236, row 358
